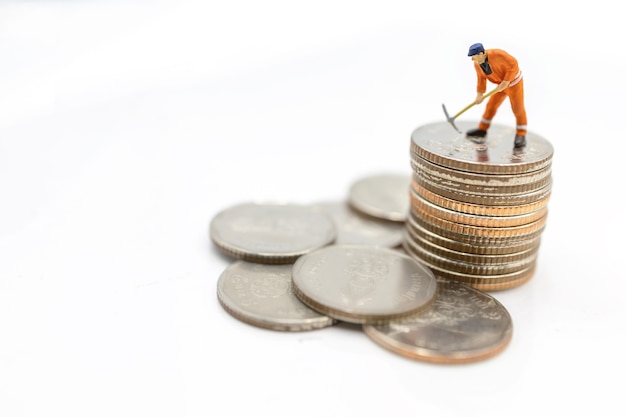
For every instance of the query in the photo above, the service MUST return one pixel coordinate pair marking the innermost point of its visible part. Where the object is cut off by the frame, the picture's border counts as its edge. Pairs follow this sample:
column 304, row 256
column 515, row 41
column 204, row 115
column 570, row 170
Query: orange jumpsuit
column 504, row 68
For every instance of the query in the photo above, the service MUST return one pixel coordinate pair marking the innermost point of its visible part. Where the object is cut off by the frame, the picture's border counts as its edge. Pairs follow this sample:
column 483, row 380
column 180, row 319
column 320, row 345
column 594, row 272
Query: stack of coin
column 477, row 209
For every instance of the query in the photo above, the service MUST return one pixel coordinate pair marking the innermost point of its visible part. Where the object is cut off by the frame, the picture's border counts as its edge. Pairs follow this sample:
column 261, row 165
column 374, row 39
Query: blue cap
column 476, row 49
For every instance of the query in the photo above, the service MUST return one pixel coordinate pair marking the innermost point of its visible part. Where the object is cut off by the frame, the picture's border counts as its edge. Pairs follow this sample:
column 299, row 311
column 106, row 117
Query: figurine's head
column 477, row 53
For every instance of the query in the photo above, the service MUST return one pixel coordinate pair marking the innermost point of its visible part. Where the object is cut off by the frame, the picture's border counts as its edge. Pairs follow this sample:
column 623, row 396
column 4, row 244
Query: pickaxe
column 451, row 119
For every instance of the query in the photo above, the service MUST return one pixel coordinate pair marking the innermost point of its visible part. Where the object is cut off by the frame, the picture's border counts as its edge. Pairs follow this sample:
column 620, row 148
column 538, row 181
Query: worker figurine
column 500, row 68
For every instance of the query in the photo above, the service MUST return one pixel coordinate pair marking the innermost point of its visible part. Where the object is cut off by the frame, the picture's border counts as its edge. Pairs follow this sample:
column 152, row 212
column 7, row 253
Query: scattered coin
column 355, row 228
column 271, row 233
column 262, row 295
column 362, row 284
column 384, row 196
column 462, row 325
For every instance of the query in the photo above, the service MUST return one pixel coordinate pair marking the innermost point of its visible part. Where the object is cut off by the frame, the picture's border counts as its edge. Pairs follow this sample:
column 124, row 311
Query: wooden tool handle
column 469, row 106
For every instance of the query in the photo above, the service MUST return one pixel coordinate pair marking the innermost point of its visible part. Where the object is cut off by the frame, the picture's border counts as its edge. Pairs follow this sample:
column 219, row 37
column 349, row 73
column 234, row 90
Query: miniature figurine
column 500, row 68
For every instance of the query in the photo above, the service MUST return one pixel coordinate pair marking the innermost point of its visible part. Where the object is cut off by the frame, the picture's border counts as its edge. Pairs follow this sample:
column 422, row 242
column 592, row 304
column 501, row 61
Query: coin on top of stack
column 477, row 210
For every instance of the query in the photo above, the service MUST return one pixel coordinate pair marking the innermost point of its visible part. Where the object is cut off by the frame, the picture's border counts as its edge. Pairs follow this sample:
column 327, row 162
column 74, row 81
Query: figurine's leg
column 516, row 96
column 491, row 109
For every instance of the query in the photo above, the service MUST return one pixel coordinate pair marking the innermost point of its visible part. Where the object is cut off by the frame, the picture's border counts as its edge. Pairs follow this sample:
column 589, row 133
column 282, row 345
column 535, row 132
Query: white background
column 125, row 126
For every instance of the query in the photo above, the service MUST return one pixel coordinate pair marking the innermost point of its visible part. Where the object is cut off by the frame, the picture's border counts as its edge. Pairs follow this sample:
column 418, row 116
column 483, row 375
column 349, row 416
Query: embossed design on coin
column 270, row 286
column 271, row 233
column 462, row 325
column 355, row 228
column 384, row 196
column 363, row 284
column 262, row 295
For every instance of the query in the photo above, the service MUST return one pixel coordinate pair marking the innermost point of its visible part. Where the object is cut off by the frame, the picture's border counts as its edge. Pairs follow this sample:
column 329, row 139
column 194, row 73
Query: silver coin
column 416, row 232
column 527, row 196
column 441, row 144
column 433, row 253
column 435, row 261
column 477, row 236
column 262, row 295
column 271, row 233
column 363, row 284
column 354, row 228
column 462, row 325
column 385, row 196
column 477, row 183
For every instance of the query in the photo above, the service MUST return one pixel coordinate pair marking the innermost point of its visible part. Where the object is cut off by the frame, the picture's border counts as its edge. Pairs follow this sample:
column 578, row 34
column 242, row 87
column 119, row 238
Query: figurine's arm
column 481, row 95
column 481, row 84
column 503, row 85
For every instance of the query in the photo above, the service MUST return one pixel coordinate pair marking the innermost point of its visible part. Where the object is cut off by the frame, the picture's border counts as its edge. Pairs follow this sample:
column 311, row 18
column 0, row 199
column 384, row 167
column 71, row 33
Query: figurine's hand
column 503, row 85
column 479, row 98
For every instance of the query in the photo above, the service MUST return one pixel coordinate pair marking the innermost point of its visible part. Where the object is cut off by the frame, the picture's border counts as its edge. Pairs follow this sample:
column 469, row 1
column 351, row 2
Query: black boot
column 520, row 141
column 476, row 133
